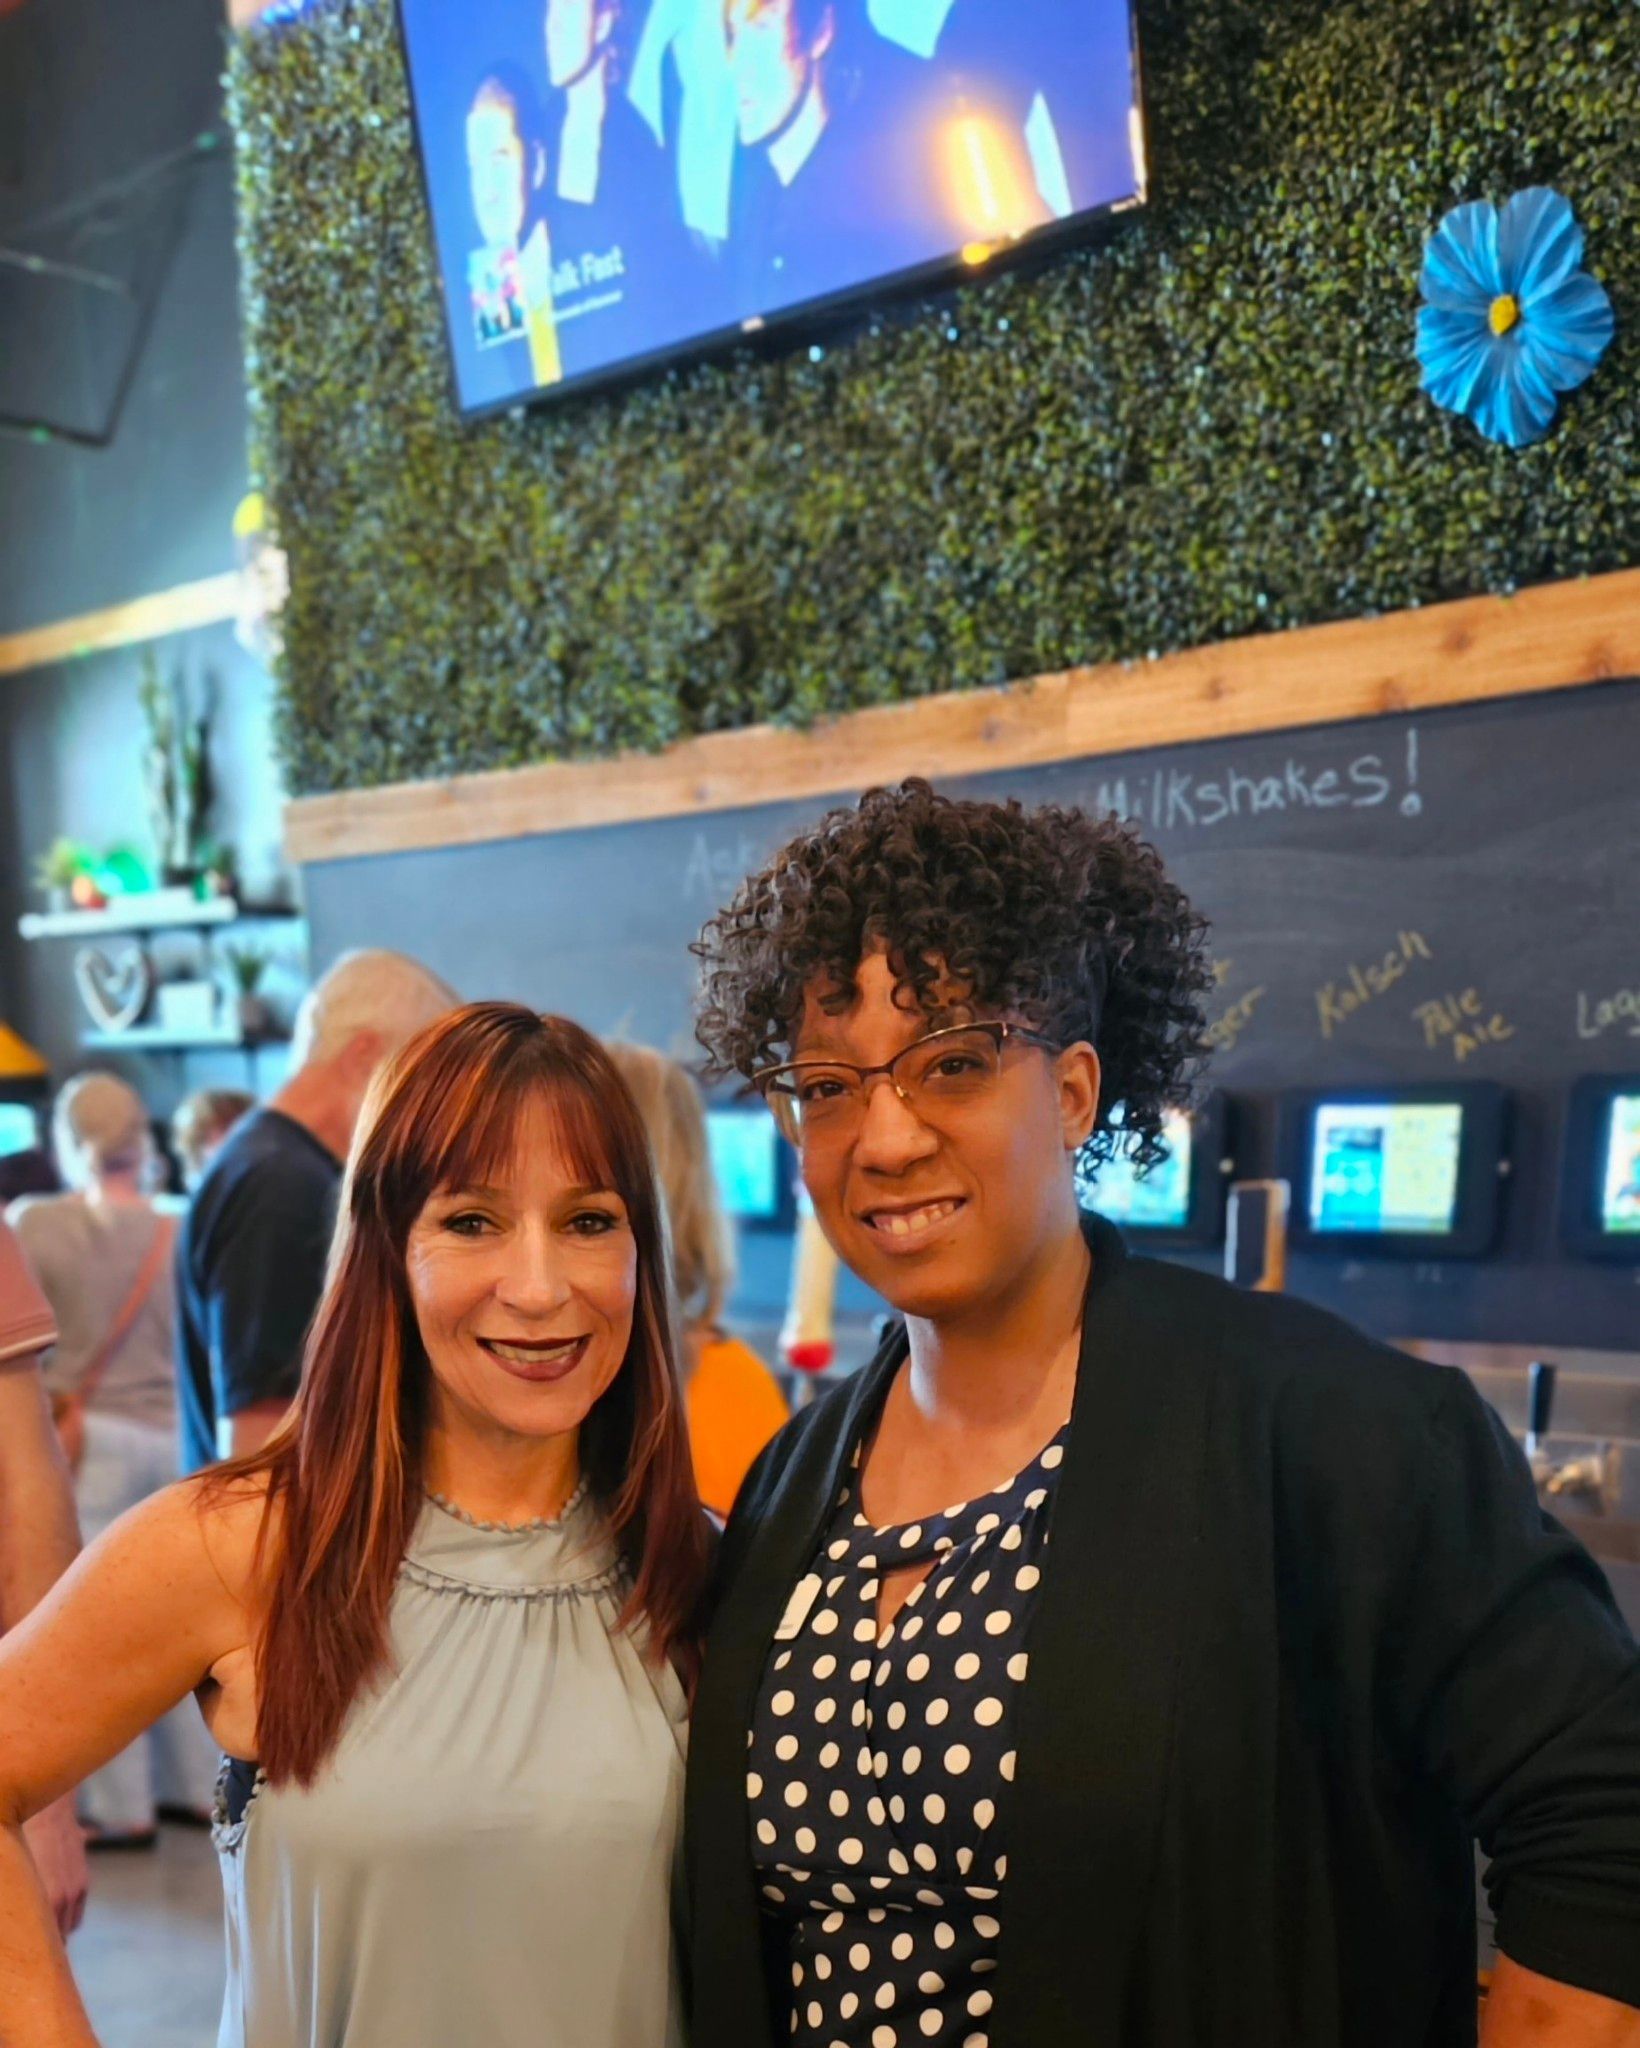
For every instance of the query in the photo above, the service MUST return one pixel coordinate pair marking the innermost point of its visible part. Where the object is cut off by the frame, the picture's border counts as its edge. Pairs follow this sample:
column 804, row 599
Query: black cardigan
column 1305, row 1633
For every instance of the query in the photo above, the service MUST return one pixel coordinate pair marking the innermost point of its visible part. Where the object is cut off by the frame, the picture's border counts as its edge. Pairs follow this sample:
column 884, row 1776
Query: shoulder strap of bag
column 154, row 1261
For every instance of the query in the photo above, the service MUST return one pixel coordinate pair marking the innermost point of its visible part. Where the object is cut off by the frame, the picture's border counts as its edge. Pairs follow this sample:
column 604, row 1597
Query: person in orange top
column 733, row 1400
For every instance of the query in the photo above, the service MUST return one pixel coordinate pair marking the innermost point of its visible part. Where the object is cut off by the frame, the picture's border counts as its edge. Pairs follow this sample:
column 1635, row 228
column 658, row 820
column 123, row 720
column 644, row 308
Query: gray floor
column 148, row 1956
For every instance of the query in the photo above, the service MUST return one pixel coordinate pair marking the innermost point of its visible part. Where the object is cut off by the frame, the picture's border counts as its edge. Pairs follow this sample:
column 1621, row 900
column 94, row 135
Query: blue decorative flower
column 1510, row 318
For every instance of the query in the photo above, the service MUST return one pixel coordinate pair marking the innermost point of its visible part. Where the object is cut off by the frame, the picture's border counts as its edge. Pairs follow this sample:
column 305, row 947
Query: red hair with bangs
column 344, row 1476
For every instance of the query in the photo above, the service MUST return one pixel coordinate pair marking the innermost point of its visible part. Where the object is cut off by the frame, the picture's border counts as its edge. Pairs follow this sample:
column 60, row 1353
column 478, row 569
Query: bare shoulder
column 159, row 1598
column 238, row 1525
column 210, row 1532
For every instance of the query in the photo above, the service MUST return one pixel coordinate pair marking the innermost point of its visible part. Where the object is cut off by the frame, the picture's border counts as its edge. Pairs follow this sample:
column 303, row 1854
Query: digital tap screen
column 1620, row 1169
column 1385, row 1169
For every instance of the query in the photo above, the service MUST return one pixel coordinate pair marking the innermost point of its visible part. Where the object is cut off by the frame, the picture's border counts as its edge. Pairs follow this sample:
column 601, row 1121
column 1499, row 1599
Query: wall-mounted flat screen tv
column 1414, row 1170
column 1600, row 1184
column 613, row 183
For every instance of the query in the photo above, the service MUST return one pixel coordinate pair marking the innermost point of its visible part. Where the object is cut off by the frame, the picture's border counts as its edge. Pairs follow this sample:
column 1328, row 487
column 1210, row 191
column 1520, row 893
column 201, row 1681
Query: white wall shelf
column 155, row 910
column 155, row 1038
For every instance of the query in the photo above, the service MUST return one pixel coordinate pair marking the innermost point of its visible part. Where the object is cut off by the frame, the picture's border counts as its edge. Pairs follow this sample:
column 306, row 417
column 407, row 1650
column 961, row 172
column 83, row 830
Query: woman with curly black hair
column 1206, row 1769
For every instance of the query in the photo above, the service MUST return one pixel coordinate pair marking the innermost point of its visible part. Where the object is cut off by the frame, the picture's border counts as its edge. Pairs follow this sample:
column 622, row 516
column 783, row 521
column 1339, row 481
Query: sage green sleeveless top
column 488, row 1858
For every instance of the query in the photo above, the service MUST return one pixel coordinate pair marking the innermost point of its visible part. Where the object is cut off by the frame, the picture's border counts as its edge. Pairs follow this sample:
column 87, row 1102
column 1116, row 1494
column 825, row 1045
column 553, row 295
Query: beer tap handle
column 1540, row 1403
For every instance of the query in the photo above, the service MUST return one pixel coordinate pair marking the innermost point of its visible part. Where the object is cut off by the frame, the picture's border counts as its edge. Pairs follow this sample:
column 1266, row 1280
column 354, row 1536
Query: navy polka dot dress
column 880, row 1765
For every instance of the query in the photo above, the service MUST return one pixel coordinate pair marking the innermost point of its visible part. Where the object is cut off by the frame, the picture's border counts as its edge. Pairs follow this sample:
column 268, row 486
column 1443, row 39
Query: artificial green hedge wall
column 1210, row 426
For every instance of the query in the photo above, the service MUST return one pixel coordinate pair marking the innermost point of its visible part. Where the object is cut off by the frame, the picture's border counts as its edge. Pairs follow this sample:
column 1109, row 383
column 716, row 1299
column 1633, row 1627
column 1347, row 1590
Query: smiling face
column 524, row 1290
column 943, row 1219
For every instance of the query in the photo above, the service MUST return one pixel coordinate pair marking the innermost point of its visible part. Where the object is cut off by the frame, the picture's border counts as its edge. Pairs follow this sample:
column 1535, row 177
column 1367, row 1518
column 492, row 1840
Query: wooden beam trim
column 205, row 603
column 1557, row 636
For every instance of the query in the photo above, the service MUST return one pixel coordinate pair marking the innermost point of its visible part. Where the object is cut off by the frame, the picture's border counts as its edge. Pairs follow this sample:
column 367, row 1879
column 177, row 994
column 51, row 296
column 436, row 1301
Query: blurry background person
column 251, row 1263
column 734, row 1402
column 38, row 1537
column 103, row 1255
column 201, row 1123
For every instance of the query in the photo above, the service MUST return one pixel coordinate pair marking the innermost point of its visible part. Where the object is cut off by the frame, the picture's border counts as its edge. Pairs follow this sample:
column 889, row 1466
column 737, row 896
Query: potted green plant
column 176, row 768
column 56, row 871
column 248, row 964
column 219, row 870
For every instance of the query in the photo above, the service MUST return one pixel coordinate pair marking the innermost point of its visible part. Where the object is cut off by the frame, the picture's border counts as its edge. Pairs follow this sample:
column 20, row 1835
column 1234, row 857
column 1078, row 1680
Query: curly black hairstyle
column 1065, row 921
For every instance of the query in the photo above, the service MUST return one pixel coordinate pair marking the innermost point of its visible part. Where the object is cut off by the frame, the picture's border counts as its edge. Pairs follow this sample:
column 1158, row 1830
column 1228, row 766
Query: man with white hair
column 251, row 1263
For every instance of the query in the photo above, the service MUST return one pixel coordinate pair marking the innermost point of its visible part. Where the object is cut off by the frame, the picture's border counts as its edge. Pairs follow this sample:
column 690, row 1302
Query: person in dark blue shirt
column 250, row 1271
column 252, row 1252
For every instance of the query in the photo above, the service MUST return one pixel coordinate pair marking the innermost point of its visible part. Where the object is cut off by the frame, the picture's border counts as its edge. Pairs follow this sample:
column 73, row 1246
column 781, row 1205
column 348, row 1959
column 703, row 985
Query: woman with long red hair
column 443, row 1624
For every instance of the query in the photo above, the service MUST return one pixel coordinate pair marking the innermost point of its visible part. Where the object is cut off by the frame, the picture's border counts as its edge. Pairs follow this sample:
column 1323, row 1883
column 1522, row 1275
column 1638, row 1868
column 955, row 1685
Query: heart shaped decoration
column 114, row 983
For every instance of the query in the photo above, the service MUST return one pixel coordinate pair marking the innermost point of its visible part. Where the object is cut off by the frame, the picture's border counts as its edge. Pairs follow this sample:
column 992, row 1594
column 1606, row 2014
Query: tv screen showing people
column 1385, row 1169
column 1620, row 1175
column 612, row 181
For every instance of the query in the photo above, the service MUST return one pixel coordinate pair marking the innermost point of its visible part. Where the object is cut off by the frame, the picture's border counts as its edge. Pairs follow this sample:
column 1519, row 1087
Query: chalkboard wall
column 1367, row 884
